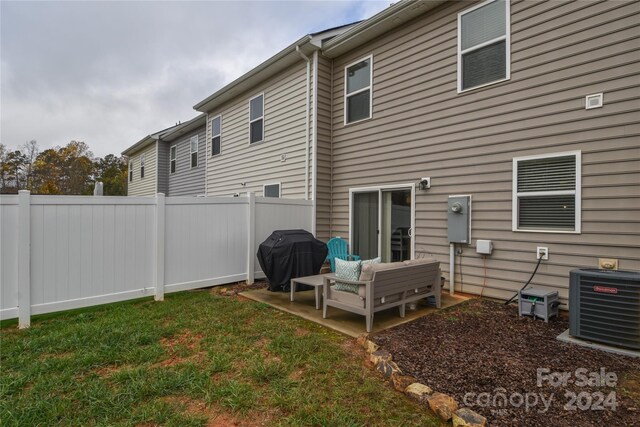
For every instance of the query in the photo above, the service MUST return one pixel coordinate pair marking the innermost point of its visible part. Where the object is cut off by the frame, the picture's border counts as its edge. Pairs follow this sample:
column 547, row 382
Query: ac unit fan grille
column 612, row 318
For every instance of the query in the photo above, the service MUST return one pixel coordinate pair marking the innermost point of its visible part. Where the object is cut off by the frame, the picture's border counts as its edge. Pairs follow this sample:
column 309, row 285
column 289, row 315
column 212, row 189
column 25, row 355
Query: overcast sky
column 109, row 73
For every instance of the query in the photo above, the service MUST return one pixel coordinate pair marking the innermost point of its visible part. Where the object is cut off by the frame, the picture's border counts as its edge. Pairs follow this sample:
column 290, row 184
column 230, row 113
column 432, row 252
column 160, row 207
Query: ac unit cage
column 604, row 306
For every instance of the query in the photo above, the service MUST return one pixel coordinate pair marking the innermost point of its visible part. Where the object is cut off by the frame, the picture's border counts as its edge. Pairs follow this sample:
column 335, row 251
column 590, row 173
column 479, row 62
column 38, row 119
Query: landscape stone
column 380, row 355
column 418, row 392
column 387, row 368
column 401, row 382
column 465, row 417
column 443, row 405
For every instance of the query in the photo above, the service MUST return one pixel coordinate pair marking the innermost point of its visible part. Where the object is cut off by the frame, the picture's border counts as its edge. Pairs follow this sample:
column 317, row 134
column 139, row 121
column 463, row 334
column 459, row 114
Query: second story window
column 194, row 150
column 142, row 166
column 357, row 91
column 256, row 119
column 172, row 159
column 483, row 44
column 216, row 131
column 130, row 170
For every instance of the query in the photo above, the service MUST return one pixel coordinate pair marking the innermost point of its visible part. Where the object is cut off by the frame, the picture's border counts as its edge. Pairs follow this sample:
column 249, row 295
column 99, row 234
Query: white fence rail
column 64, row 252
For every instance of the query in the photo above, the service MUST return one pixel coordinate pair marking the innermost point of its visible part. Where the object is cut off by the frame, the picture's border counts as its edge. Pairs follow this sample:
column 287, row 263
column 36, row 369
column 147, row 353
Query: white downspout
column 306, row 151
column 314, row 175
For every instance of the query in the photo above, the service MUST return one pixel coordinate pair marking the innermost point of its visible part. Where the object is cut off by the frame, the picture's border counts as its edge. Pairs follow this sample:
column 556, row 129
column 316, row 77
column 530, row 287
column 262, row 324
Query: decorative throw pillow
column 347, row 270
column 376, row 260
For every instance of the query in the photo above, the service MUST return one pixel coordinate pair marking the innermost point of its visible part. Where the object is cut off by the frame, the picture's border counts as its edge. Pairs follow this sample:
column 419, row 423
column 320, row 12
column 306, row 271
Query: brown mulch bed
column 482, row 346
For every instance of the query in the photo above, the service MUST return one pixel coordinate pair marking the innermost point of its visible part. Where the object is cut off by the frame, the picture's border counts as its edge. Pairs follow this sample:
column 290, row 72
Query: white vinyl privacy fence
column 64, row 252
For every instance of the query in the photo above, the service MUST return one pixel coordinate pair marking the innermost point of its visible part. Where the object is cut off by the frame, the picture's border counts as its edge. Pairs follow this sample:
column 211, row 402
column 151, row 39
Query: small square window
column 546, row 193
column 193, row 142
column 271, row 190
column 357, row 101
column 256, row 119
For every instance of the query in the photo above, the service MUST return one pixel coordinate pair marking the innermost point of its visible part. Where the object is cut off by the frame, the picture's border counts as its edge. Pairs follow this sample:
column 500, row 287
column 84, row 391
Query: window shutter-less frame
column 216, row 133
column 484, row 45
column 547, row 193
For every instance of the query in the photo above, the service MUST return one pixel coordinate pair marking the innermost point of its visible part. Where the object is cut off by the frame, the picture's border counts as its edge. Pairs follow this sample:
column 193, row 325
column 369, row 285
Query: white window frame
column 369, row 88
column 142, row 166
column 577, row 192
column 191, row 152
column 173, row 148
column 264, row 186
column 219, row 116
column 255, row 120
column 506, row 37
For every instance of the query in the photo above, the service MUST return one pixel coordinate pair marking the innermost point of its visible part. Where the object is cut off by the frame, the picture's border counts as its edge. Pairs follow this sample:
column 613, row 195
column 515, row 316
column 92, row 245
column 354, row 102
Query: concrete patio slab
column 342, row 321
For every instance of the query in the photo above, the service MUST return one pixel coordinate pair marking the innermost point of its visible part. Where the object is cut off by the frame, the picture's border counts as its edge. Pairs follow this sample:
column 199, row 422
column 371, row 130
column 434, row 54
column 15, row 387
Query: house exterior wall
column 323, row 138
column 163, row 168
column 284, row 134
column 187, row 181
column 421, row 126
column 144, row 186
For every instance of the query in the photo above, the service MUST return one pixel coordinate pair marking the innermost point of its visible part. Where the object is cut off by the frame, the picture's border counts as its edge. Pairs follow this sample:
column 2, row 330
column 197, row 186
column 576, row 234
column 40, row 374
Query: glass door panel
column 365, row 224
column 396, row 225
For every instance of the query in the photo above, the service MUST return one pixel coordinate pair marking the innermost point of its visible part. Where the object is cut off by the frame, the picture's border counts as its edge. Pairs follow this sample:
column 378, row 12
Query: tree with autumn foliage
column 70, row 170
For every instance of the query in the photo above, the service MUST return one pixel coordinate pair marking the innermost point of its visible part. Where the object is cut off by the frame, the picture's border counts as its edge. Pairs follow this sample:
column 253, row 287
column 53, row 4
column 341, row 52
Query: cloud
column 109, row 73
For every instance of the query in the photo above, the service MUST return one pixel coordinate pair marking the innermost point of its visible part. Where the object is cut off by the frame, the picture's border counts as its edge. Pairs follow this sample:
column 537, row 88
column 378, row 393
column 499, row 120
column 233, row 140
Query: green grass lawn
column 194, row 359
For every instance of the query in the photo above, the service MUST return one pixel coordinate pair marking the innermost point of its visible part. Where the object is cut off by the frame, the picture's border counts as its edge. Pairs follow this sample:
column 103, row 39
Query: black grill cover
column 288, row 254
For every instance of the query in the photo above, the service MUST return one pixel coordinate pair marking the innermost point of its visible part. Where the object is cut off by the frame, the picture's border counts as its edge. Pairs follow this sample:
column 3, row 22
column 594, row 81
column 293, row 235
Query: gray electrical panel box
column 459, row 219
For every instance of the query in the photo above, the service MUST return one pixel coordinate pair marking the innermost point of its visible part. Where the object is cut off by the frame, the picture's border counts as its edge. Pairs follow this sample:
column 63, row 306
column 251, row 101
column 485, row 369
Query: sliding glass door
column 381, row 223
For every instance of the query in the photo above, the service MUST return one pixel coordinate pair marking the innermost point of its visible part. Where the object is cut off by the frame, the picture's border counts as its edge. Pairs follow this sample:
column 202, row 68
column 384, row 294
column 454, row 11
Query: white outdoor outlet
column 542, row 252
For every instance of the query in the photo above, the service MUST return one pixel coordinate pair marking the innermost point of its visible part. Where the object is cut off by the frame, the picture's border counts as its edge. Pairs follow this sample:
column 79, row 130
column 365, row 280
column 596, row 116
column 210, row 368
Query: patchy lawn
column 486, row 357
column 195, row 359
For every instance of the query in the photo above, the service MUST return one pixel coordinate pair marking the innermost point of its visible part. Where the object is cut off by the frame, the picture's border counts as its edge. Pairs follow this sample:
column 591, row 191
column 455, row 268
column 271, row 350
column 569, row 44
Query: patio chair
column 338, row 249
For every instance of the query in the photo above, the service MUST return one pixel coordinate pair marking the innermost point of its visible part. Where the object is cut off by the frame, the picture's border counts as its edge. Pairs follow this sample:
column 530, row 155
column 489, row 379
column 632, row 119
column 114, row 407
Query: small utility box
column 538, row 303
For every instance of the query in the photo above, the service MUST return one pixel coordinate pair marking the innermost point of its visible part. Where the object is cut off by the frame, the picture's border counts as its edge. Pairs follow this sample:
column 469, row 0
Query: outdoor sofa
column 383, row 286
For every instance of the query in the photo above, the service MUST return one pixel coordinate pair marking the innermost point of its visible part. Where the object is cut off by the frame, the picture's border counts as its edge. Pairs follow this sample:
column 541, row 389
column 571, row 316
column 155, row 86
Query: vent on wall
column 594, row 101
column 604, row 306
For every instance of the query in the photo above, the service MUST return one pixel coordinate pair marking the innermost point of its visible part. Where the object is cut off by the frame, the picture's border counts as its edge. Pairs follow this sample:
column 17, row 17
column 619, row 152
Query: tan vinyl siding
column 187, row 181
column 323, row 178
column 421, row 126
column 144, row 186
column 284, row 133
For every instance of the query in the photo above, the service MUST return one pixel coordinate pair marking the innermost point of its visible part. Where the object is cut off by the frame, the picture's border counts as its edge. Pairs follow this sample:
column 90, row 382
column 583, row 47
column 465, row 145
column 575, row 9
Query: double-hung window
column 216, row 132
column 484, row 45
column 193, row 144
column 172, row 159
column 546, row 192
column 271, row 190
column 357, row 90
column 142, row 166
column 256, row 119
column 130, row 170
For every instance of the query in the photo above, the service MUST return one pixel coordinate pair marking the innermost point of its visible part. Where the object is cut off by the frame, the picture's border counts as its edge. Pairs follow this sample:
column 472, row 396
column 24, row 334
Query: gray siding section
column 163, row 168
column 421, row 126
column 187, row 181
column 323, row 137
column 144, row 186
column 284, row 134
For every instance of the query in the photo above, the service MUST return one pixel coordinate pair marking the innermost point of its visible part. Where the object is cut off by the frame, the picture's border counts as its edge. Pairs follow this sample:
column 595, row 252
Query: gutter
column 307, row 116
column 314, row 178
column 266, row 64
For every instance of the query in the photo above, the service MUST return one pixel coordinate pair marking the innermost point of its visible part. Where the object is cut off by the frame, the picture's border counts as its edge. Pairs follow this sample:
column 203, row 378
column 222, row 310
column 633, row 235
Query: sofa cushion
column 348, row 298
column 419, row 261
column 369, row 269
column 347, row 270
